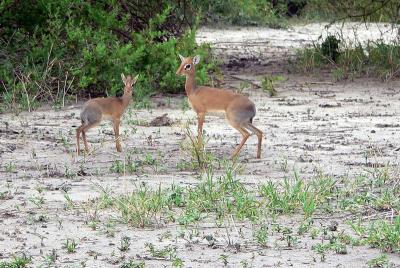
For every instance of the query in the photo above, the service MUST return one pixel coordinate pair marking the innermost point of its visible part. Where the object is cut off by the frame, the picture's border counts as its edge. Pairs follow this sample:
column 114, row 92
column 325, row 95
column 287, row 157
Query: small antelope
column 110, row 108
column 238, row 109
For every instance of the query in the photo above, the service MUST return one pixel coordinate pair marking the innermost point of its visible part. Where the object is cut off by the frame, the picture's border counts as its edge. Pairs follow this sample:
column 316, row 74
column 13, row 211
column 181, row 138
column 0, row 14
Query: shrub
column 80, row 48
column 382, row 234
column 238, row 12
column 376, row 59
column 330, row 48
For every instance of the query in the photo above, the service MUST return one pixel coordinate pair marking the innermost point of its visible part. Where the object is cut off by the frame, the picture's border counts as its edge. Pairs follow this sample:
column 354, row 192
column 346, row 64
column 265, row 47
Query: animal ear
column 181, row 57
column 136, row 78
column 196, row 59
column 123, row 78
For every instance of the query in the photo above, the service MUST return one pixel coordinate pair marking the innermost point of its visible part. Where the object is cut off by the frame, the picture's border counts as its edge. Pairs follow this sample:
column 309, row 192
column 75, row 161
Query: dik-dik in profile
column 110, row 108
column 239, row 110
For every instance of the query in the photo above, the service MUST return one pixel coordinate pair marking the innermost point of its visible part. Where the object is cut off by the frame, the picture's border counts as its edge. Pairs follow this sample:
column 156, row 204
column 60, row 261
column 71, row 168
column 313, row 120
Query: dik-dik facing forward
column 239, row 110
column 110, row 108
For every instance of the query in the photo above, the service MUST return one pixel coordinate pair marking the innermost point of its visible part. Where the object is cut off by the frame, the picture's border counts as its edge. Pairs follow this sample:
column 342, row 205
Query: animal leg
column 200, row 122
column 85, row 141
column 116, row 132
column 78, row 134
column 259, row 134
column 84, row 130
column 245, row 135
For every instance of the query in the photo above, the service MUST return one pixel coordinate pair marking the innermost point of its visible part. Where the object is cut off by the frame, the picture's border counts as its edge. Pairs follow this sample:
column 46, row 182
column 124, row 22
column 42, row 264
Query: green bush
column 239, row 12
column 375, row 59
column 385, row 235
column 360, row 10
column 330, row 48
column 67, row 48
column 384, row 59
column 382, row 234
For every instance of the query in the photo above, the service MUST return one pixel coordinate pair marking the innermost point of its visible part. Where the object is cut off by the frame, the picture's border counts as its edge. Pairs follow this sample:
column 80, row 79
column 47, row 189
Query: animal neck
column 126, row 99
column 190, row 84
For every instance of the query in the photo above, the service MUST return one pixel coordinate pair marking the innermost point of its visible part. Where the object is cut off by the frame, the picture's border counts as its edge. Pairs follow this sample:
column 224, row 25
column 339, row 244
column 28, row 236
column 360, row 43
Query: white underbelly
column 217, row 113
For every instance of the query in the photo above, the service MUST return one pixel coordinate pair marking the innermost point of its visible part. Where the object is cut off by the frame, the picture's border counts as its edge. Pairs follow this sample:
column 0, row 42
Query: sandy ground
column 275, row 44
column 312, row 125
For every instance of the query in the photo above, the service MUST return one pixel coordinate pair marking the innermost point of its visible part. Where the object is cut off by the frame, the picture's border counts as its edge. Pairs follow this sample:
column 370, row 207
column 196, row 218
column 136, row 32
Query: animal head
column 128, row 82
column 187, row 65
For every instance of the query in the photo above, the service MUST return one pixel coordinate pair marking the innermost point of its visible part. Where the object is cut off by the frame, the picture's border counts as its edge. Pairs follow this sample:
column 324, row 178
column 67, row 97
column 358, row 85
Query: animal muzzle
column 179, row 71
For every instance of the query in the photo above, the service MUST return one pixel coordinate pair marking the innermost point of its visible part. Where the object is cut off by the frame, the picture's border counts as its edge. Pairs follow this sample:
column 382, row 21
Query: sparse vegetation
column 380, row 234
column 261, row 236
column 143, row 207
column 225, row 197
column 296, row 194
column 133, row 264
column 376, row 59
column 16, row 262
column 379, row 262
column 70, row 245
column 200, row 158
column 268, row 84
column 125, row 243
column 167, row 252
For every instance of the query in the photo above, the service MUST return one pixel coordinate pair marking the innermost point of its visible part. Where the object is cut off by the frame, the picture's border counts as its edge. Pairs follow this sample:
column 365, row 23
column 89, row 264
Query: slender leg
column 84, row 130
column 85, row 141
column 200, row 122
column 116, row 132
column 246, row 135
column 78, row 134
column 259, row 134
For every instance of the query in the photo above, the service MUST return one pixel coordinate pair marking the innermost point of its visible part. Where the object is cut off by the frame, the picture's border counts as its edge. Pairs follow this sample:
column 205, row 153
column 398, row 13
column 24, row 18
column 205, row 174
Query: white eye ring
column 187, row 67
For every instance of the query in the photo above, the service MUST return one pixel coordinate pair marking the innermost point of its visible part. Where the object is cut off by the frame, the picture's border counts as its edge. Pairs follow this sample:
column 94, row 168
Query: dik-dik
column 112, row 108
column 239, row 110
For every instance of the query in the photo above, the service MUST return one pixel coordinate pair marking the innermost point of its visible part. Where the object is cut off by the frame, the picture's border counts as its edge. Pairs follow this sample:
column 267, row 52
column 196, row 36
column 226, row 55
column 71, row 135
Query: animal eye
column 187, row 67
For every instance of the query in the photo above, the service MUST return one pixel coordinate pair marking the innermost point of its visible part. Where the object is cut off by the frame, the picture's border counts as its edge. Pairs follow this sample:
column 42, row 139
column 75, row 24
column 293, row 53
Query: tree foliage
column 360, row 10
column 53, row 48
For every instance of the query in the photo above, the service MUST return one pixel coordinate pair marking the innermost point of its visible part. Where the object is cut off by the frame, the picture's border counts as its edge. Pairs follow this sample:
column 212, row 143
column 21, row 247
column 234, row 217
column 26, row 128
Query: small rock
column 160, row 121
column 333, row 226
column 210, row 240
column 330, row 105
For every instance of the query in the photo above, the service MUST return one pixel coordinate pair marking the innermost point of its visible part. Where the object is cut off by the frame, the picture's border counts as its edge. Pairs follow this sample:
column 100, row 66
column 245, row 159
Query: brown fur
column 239, row 110
column 95, row 110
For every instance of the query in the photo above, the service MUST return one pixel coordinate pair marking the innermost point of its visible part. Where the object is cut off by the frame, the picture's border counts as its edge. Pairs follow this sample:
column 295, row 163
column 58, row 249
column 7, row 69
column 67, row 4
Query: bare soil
column 312, row 126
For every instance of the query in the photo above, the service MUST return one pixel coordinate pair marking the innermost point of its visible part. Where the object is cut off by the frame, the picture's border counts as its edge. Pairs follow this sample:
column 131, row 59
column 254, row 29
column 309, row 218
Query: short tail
column 254, row 114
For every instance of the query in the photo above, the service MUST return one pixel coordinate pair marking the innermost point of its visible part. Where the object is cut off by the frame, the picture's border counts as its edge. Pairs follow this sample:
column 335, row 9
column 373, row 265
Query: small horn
column 123, row 77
